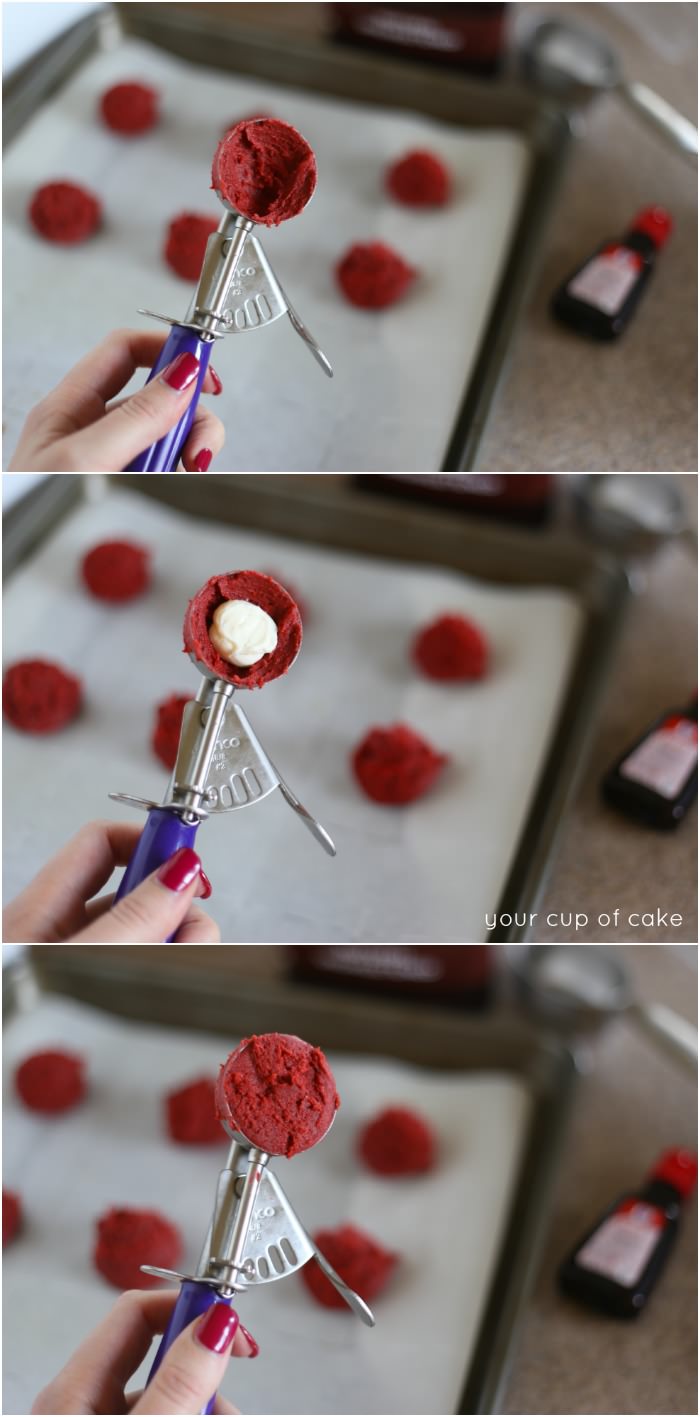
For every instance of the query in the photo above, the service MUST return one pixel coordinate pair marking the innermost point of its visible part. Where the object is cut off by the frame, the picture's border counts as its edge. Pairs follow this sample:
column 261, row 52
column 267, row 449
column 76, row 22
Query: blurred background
column 553, row 1080
column 546, row 172
column 585, row 589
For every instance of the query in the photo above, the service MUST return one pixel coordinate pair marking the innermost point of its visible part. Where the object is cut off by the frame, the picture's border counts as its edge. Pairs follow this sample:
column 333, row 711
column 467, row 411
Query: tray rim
column 548, row 127
column 549, row 1070
column 603, row 585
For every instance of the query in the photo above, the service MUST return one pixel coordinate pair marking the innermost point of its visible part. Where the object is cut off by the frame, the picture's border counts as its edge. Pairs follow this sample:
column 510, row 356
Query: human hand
column 59, row 905
column 77, row 428
column 95, row 1378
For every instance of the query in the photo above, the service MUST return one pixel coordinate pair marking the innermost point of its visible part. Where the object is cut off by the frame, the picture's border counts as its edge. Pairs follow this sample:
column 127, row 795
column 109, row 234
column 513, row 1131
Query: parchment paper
column 112, row 1151
column 399, row 376
column 426, row 873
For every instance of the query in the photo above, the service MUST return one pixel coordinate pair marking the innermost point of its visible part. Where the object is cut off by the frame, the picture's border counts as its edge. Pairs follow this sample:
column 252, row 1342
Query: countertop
column 565, row 403
column 605, row 860
column 631, row 1104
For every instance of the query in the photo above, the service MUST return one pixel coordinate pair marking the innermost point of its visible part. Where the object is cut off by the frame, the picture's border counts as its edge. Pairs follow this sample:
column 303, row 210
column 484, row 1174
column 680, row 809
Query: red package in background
column 456, row 974
column 470, row 37
column 517, row 496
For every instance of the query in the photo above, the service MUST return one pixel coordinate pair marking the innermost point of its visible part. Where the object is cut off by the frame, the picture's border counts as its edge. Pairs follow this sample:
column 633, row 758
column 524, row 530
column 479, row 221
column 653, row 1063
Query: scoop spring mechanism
column 255, row 1236
column 221, row 766
column 238, row 290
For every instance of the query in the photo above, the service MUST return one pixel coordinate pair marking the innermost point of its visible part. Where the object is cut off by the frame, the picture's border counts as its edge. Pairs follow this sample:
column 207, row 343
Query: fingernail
column 218, row 1328
column 180, row 870
column 218, row 386
column 203, row 459
column 181, row 373
column 205, row 884
column 254, row 1347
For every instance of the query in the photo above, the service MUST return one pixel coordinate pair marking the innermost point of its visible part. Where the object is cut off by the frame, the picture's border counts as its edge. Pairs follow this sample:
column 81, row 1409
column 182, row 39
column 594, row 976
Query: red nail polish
column 180, row 870
column 181, row 373
column 254, row 1347
column 204, row 879
column 218, row 386
column 218, row 1328
column 203, row 459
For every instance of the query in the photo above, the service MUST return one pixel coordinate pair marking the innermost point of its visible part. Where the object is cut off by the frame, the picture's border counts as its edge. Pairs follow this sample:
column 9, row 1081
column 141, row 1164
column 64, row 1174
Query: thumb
column 153, row 911
column 140, row 420
column 194, row 1365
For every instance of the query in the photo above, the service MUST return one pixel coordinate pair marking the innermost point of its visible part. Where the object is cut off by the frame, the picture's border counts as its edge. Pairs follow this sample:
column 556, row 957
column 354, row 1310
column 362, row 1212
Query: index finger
column 107, row 369
column 79, row 870
column 102, row 1365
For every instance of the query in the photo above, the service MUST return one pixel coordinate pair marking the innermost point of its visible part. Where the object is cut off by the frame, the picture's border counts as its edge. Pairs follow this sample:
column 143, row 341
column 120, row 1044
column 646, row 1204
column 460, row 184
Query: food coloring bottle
column 602, row 294
column 617, row 1263
column 656, row 780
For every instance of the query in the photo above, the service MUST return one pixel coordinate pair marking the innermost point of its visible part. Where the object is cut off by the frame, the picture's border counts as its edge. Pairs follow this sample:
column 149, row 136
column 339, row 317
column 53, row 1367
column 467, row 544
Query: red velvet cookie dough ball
column 126, row 1239
column 64, row 213
column 191, row 1114
column 397, row 1142
column 361, row 1261
column 395, row 765
column 130, row 109
column 166, row 732
column 186, row 243
column 11, row 1216
column 117, row 570
column 419, row 179
column 51, row 1082
column 40, row 697
column 451, row 647
column 373, row 275
column 278, row 1091
column 261, row 590
column 265, row 170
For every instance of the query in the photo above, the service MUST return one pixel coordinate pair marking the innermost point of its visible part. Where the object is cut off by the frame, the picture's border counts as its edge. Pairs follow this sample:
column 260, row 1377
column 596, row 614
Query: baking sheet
column 398, row 875
column 419, row 875
column 446, row 1226
column 405, row 369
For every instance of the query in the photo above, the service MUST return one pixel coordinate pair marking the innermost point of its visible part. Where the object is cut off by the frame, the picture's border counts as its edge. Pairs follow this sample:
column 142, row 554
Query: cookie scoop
column 275, row 1096
column 263, row 174
column 242, row 630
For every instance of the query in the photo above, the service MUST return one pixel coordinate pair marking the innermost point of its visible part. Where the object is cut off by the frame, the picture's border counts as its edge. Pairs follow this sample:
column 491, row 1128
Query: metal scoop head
column 238, row 290
column 282, row 1089
column 265, row 169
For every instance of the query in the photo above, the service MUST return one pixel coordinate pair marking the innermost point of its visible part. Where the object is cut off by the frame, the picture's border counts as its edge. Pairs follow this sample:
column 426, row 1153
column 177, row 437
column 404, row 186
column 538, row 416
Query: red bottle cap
column 655, row 222
column 679, row 1169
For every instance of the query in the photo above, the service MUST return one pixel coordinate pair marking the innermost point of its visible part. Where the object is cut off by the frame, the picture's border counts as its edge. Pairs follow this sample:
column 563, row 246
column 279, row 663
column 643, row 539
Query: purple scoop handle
column 193, row 1300
column 163, row 835
column 164, row 455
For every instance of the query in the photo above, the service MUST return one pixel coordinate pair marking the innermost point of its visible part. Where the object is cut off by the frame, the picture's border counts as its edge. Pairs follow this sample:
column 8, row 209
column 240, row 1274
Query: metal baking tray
column 325, row 511
column 123, row 981
column 322, row 67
